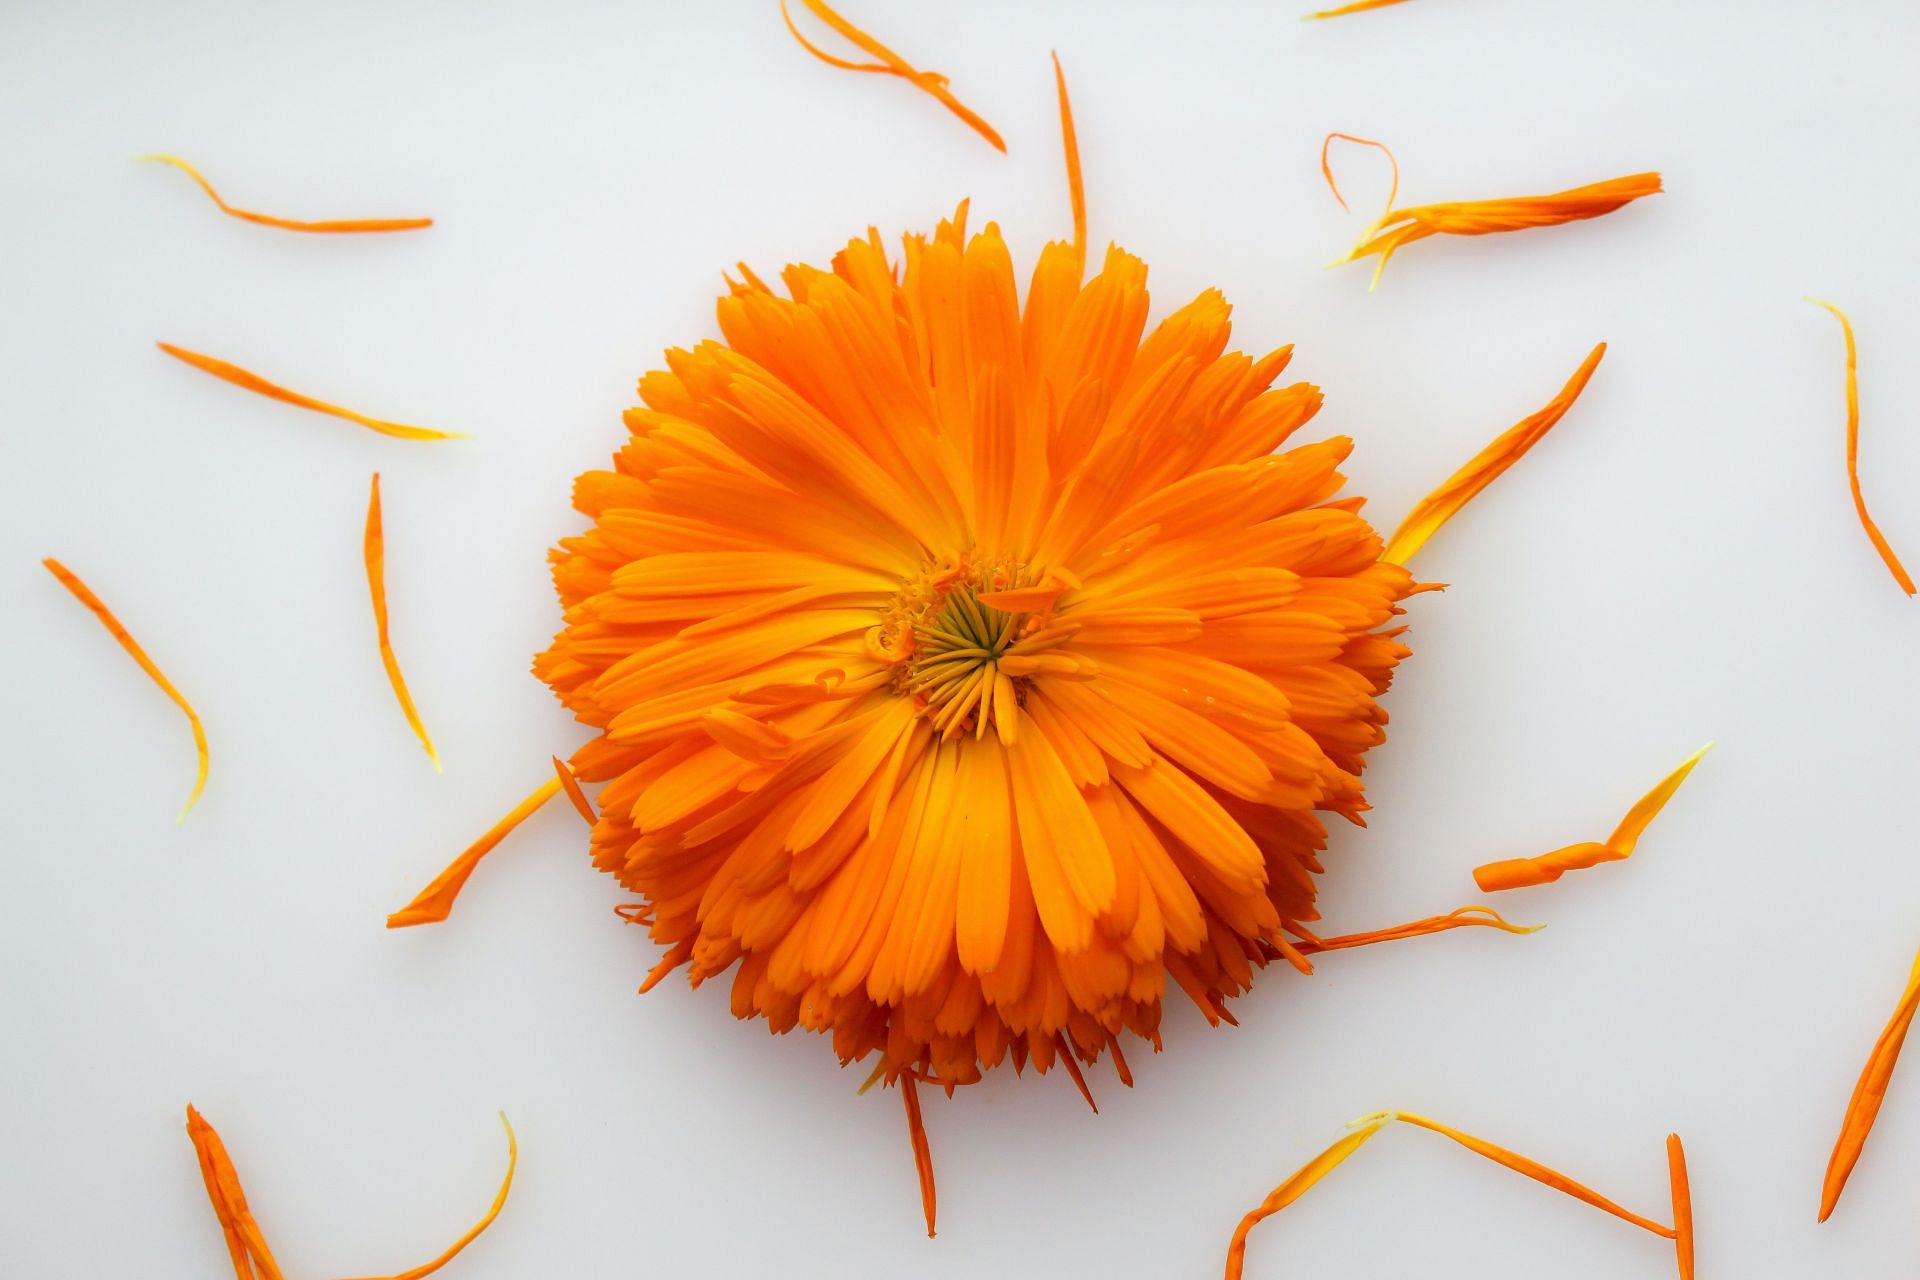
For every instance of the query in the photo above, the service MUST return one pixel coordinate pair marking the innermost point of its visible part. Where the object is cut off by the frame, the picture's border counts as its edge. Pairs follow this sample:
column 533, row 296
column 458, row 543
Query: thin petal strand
column 84, row 594
column 374, row 549
column 1874, row 535
column 432, row 904
column 1358, row 6
column 1461, row 918
column 260, row 386
column 1485, row 467
column 890, row 63
column 1516, row 873
column 1534, row 1169
column 473, row 1232
column 326, row 226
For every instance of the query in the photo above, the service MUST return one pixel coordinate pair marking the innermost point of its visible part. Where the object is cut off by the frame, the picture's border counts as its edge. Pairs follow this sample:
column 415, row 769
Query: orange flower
column 963, row 671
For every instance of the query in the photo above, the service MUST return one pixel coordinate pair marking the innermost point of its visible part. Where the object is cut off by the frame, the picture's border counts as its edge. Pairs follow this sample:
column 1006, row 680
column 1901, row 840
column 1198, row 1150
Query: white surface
column 1679, row 561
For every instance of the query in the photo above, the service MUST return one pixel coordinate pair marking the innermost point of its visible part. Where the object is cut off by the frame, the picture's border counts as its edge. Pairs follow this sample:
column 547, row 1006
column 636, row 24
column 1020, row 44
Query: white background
column 1678, row 561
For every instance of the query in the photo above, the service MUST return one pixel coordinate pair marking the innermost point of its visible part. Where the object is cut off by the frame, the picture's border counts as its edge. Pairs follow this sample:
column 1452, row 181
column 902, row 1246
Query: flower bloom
column 964, row 670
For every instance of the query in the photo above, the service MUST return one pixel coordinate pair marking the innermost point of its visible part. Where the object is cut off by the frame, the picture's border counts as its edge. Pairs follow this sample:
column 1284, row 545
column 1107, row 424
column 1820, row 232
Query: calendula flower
column 965, row 670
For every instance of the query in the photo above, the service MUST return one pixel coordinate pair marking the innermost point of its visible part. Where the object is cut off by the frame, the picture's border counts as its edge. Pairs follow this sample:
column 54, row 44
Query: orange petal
column 432, row 903
column 922, row 1153
column 293, row 224
column 374, row 548
column 890, row 63
column 571, row 785
column 1463, row 917
column 1514, row 873
column 85, row 596
column 1358, row 6
column 1682, row 1205
column 253, row 382
column 1868, row 1093
column 1398, row 227
column 1070, row 142
column 1874, row 535
column 1535, row 1170
column 486, row 1220
column 1485, row 467
column 246, row 1246
column 1296, row 1186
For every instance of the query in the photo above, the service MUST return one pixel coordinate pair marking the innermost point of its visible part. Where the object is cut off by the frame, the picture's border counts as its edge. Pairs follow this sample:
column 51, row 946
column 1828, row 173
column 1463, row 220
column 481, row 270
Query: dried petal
column 253, row 382
column 84, row 594
column 292, row 224
column 374, row 548
column 1485, row 467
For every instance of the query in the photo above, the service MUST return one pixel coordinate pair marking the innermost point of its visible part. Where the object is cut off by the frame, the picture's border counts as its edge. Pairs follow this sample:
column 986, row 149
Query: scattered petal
column 1298, row 1185
column 431, row 904
column 1460, row 918
column 890, row 63
column 473, row 1232
column 292, row 224
column 1535, row 1170
column 1682, row 1205
column 253, row 382
column 85, row 596
column 1879, row 541
column 1398, row 227
column 1358, row 6
column 1868, row 1093
column 374, row 548
column 1516, row 873
column 1485, row 467
column 247, row 1246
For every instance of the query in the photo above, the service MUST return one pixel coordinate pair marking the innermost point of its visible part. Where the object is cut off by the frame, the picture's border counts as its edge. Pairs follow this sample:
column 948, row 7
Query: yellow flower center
column 966, row 636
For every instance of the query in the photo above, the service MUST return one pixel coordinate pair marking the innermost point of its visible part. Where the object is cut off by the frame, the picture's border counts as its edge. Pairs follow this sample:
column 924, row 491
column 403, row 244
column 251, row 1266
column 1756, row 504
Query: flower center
column 966, row 637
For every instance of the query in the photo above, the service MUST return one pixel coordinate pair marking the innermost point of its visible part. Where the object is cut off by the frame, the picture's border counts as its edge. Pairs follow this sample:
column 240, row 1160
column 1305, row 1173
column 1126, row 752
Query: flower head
column 966, row 669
